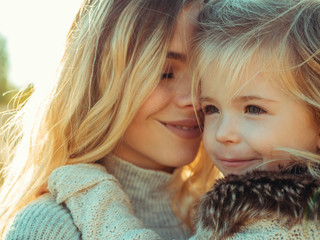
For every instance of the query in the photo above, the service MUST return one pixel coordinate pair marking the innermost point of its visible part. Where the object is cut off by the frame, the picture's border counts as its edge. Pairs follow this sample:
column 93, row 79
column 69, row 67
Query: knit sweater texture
column 151, row 195
column 86, row 202
column 44, row 219
column 256, row 206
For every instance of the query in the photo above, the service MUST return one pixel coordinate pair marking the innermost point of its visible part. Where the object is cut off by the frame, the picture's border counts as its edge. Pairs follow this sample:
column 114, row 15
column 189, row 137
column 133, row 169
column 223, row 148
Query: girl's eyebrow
column 238, row 99
column 253, row 97
column 206, row 99
column 177, row 56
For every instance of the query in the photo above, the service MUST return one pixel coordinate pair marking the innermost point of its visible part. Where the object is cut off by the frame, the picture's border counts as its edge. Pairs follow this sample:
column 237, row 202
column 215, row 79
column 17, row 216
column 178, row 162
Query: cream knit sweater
column 108, row 213
column 88, row 203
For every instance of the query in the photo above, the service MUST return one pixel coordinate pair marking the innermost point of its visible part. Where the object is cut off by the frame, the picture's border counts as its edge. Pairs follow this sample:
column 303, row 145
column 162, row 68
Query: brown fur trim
column 237, row 200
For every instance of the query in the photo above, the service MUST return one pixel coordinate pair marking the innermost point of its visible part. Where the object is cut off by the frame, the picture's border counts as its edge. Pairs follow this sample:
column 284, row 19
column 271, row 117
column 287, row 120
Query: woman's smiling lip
column 187, row 128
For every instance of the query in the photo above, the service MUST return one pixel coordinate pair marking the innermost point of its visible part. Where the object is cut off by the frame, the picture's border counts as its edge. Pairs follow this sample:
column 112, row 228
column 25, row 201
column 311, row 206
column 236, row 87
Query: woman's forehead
column 182, row 36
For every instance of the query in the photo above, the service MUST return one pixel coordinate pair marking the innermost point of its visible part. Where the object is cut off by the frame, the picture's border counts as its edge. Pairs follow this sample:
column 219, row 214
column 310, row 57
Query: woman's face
column 164, row 134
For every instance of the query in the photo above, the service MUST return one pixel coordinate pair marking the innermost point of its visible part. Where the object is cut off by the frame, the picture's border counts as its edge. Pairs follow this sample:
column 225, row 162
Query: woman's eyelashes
column 168, row 72
column 167, row 75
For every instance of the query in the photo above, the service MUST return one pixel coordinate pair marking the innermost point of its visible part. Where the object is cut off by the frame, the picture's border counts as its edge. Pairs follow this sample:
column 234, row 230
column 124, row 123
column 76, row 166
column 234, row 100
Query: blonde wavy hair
column 281, row 37
column 114, row 56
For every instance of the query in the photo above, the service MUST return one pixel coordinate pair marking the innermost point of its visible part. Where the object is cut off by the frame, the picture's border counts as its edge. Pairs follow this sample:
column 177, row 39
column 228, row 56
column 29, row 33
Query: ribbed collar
column 129, row 175
column 151, row 194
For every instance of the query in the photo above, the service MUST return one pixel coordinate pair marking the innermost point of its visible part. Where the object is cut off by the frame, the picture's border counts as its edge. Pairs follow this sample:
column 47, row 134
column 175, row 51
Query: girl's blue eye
column 252, row 109
column 167, row 75
column 210, row 109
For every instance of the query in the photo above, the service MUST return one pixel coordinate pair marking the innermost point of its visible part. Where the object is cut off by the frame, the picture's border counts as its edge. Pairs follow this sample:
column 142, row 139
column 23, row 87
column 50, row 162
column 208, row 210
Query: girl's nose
column 227, row 131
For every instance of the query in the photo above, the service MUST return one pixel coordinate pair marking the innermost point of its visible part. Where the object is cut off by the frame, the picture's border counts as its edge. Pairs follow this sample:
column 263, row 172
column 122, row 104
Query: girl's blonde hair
column 279, row 37
column 114, row 56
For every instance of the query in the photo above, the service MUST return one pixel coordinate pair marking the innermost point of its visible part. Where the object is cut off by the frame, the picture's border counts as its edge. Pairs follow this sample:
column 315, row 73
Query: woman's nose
column 185, row 98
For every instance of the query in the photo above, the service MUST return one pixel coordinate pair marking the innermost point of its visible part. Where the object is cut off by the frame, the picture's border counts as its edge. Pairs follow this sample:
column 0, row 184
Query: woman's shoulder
column 43, row 218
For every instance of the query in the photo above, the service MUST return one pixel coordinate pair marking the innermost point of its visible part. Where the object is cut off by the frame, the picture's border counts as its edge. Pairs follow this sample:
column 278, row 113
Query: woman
column 122, row 100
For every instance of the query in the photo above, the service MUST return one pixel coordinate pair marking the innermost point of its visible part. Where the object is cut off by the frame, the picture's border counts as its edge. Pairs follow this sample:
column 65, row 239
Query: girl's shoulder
column 273, row 229
column 43, row 218
column 278, row 200
column 268, row 229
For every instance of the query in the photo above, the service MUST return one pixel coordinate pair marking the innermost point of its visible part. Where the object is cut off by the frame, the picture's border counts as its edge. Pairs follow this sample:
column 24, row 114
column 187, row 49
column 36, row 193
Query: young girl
column 259, row 65
column 122, row 101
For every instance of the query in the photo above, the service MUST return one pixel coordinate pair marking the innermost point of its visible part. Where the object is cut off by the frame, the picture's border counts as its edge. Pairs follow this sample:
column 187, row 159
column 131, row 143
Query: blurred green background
column 7, row 92
column 7, row 89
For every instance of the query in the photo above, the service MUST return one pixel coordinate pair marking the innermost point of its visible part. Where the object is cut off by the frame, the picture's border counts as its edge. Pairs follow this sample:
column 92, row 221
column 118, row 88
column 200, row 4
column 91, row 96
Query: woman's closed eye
column 168, row 71
column 210, row 109
column 252, row 109
column 167, row 75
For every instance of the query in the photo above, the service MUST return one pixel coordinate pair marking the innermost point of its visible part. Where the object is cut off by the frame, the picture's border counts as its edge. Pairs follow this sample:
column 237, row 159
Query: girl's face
column 241, row 133
column 165, row 133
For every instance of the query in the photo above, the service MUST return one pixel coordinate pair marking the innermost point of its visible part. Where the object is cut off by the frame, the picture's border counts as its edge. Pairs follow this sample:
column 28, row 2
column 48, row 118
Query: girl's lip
column 235, row 163
column 187, row 128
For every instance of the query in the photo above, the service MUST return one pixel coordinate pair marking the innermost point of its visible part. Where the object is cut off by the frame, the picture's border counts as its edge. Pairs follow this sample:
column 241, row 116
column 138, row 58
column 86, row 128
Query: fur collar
column 238, row 200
